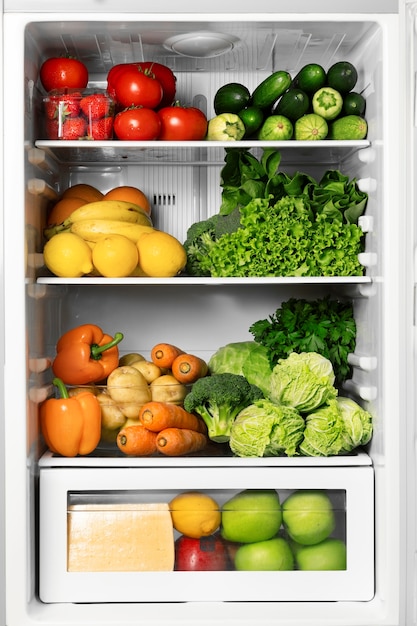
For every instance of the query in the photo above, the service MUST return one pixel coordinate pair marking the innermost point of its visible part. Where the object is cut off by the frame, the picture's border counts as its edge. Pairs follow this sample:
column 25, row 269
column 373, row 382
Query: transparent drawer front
column 287, row 534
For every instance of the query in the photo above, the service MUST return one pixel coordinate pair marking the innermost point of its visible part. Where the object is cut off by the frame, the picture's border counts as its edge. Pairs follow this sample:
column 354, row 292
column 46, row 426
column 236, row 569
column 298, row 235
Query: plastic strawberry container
column 72, row 114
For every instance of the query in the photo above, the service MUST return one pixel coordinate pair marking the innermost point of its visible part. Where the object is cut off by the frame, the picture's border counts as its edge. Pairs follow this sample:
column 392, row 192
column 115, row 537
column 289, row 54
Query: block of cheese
column 120, row 538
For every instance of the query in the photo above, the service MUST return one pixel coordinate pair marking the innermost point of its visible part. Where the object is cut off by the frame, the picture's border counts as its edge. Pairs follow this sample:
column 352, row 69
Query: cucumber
column 292, row 104
column 350, row 127
column 354, row 104
column 310, row 127
column 327, row 102
column 270, row 89
column 231, row 98
column 342, row 76
column 310, row 78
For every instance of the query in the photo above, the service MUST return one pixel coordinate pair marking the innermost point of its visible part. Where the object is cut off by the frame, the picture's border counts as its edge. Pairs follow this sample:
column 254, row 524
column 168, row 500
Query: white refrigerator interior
column 374, row 490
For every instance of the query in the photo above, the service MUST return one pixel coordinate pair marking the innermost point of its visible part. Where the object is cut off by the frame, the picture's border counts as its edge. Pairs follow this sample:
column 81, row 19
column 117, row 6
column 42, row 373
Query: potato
column 167, row 388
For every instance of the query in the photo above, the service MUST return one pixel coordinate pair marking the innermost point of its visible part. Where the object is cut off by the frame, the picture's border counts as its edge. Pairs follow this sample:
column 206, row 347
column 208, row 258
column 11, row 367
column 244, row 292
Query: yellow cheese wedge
column 120, row 538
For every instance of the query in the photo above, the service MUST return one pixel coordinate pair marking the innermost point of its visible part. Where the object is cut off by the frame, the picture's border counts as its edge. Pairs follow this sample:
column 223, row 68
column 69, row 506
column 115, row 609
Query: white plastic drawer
column 67, row 494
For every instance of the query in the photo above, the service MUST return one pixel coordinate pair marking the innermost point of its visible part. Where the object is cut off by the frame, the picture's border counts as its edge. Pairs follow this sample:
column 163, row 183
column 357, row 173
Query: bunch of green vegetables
column 324, row 325
column 273, row 224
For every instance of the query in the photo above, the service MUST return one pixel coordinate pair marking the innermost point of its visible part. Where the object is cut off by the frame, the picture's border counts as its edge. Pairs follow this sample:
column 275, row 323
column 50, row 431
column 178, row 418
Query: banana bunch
column 105, row 217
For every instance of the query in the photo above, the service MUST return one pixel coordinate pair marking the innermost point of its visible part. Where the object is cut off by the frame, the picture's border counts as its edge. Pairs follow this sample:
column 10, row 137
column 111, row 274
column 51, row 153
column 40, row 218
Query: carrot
column 157, row 416
column 163, row 354
column 136, row 440
column 180, row 441
column 187, row 368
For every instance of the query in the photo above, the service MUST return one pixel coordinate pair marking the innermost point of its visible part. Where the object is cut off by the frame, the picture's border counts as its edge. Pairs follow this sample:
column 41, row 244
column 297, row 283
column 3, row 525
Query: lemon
column 161, row 254
column 195, row 514
column 68, row 255
column 115, row 256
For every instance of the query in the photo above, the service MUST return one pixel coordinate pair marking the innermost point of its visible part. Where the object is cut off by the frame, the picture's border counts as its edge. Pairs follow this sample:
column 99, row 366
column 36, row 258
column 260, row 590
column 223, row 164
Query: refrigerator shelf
column 115, row 459
column 202, row 280
column 193, row 152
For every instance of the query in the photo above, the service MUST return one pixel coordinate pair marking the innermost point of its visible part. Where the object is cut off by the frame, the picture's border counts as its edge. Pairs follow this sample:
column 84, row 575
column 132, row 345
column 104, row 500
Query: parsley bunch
column 325, row 326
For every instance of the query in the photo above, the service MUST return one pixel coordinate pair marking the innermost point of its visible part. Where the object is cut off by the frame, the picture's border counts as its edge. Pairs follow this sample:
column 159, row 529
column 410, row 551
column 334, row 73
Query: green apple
column 273, row 554
column 329, row 554
column 308, row 516
column 251, row 515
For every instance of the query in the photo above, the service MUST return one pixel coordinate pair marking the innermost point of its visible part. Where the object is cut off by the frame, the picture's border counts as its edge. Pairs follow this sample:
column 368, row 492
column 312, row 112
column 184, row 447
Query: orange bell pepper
column 71, row 426
column 86, row 355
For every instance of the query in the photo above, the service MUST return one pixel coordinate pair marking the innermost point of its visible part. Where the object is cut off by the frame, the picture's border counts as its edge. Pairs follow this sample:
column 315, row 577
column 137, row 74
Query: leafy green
column 357, row 424
column 303, row 381
column 284, row 239
column 246, row 358
column 324, row 325
column 323, row 432
column 266, row 429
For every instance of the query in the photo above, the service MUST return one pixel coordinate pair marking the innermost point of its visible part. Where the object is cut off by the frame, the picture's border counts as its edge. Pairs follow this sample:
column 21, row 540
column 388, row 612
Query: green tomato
column 225, row 127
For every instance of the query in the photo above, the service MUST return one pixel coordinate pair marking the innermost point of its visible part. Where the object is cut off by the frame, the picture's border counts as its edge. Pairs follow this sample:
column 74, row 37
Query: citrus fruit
column 271, row 555
column 342, row 76
column 329, row 554
column 161, row 254
column 308, row 516
column 67, row 255
column 129, row 194
column 310, row 78
column 85, row 191
column 252, row 117
column 195, row 514
column 115, row 256
column 251, row 515
column 354, row 104
column 63, row 209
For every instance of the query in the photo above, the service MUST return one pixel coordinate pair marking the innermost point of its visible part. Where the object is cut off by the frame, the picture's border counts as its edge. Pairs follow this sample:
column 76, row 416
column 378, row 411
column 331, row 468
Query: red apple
column 203, row 554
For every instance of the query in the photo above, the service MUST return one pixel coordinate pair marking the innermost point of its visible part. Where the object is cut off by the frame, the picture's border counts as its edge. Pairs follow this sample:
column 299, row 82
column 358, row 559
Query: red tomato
column 137, row 124
column 134, row 87
column 62, row 72
column 182, row 124
column 162, row 73
column 167, row 79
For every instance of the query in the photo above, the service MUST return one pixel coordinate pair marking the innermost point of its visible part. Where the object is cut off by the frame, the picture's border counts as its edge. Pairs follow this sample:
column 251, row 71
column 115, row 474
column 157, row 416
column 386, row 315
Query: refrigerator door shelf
column 353, row 486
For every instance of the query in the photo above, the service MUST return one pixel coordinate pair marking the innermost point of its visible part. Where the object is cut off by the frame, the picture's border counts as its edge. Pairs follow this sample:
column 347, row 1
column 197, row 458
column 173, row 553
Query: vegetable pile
column 301, row 413
column 273, row 224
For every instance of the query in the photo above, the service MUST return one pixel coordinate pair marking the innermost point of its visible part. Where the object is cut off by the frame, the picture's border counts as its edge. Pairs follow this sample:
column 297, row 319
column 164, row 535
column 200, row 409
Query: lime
column 252, row 117
column 311, row 127
column 251, row 515
column 308, row 516
column 354, row 104
column 342, row 76
column 310, row 78
column 276, row 128
column 272, row 555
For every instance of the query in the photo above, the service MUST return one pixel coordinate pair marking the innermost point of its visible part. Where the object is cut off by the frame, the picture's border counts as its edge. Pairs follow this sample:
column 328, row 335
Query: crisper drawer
column 273, row 534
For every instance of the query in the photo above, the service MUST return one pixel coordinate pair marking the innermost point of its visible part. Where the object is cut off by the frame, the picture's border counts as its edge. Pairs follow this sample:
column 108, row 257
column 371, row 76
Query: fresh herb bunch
column 325, row 326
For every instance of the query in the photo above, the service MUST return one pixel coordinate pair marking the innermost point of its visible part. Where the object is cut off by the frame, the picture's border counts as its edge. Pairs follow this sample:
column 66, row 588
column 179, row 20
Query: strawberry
column 95, row 106
column 74, row 128
column 65, row 105
column 52, row 129
column 101, row 129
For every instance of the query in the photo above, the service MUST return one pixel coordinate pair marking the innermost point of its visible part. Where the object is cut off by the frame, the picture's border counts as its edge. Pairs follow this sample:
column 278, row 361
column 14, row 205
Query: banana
column 92, row 230
column 109, row 210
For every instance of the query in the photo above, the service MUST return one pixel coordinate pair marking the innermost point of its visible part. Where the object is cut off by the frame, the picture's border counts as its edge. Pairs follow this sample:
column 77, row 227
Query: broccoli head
column 218, row 399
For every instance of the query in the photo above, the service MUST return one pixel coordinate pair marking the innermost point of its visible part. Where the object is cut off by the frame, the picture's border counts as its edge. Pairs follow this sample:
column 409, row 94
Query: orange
column 129, row 194
column 63, row 209
column 84, row 191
